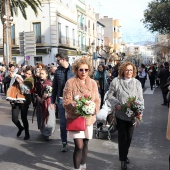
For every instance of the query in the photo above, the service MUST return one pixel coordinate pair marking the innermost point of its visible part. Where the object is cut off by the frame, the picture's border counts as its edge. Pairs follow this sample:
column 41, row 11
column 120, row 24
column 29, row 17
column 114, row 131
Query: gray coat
column 120, row 90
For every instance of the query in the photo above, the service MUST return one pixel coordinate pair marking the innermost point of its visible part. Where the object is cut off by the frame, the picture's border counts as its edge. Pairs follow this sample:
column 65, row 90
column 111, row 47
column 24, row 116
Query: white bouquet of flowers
column 84, row 105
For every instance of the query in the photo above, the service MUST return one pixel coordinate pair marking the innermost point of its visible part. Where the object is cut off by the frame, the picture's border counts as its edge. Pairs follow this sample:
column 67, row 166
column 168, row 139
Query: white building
column 141, row 54
column 61, row 25
column 55, row 28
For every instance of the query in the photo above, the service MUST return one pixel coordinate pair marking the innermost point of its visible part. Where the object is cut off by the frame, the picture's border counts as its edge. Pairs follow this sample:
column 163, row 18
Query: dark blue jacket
column 163, row 75
column 59, row 82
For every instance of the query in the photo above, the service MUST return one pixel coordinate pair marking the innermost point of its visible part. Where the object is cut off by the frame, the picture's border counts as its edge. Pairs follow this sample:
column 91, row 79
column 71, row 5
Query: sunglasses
column 82, row 70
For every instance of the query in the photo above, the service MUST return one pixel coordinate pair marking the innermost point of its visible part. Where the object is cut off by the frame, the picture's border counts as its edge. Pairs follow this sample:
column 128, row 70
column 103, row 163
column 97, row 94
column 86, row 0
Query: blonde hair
column 77, row 63
column 123, row 66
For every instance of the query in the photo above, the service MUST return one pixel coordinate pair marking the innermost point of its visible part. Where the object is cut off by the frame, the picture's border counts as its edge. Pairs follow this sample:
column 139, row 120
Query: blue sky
column 129, row 13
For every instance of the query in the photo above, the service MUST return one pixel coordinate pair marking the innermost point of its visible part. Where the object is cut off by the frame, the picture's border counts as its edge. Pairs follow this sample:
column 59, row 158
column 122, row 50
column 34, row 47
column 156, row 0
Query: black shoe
column 127, row 161
column 123, row 165
column 47, row 138
column 20, row 131
column 27, row 136
column 64, row 147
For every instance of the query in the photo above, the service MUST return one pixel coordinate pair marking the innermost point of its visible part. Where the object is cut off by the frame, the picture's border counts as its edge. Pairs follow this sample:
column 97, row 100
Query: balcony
column 63, row 40
column 82, row 27
column 83, row 48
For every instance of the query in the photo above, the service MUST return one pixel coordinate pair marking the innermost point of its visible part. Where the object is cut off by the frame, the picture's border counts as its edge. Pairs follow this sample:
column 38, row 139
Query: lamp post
column 7, row 22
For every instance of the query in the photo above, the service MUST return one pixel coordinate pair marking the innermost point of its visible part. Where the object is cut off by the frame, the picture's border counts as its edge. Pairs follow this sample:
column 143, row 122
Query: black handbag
column 168, row 96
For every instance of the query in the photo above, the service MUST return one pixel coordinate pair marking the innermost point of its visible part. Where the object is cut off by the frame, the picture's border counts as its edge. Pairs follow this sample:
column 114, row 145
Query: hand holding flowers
column 84, row 105
column 134, row 108
column 48, row 91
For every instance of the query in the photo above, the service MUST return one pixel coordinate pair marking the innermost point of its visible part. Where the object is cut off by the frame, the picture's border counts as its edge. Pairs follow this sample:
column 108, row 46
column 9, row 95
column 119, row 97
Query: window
column 37, row 60
column 13, row 34
column 37, row 30
column 67, row 33
column 73, row 35
column 59, row 32
column 14, row 60
column 88, row 23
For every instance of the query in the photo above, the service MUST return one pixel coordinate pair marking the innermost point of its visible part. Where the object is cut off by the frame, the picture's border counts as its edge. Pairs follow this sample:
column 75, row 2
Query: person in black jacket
column 152, row 75
column 62, row 74
column 163, row 76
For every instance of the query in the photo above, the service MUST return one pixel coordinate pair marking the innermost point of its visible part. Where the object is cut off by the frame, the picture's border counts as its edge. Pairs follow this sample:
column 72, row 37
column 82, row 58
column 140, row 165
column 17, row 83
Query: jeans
column 142, row 80
column 63, row 132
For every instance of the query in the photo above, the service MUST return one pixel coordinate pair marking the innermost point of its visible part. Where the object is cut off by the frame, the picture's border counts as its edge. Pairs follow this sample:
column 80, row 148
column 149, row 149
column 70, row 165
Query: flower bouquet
column 134, row 108
column 48, row 91
column 84, row 106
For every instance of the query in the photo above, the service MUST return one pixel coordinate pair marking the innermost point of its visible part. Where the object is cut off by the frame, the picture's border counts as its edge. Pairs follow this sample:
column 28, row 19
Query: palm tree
column 9, row 8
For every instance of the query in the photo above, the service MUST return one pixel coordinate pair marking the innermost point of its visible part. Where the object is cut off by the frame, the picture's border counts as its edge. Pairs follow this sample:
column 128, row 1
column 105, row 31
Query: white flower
column 129, row 112
column 76, row 97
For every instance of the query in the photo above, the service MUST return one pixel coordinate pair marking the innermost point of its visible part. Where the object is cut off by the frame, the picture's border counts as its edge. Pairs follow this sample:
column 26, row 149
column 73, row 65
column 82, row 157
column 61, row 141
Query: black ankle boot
column 123, row 165
column 127, row 161
column 27, row 136
column 20, row 131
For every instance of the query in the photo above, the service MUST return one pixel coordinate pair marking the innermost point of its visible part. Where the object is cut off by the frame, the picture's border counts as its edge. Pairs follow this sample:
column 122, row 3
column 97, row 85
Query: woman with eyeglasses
column 121, row 88
column 101, row 78
column 19, row 95
column 43, row 91
column 80, row 85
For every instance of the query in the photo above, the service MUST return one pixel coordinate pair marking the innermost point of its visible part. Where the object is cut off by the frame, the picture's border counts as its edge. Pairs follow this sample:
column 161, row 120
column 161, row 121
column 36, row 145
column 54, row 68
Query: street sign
column 21, row 43
column 27, row 43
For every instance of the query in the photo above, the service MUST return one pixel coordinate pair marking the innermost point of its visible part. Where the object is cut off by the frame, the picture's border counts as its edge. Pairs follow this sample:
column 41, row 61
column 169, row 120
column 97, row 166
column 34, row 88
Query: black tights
column 15, row 115
column 80, row 152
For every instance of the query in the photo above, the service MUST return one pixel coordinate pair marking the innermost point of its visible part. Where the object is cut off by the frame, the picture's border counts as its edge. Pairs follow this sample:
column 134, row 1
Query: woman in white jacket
column 121, row 88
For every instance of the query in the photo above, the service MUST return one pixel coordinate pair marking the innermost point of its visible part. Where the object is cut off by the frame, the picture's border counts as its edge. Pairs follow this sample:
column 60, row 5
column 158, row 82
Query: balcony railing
column 83, row 47
column 40, row 39
column 67, row 41
column 82, row 27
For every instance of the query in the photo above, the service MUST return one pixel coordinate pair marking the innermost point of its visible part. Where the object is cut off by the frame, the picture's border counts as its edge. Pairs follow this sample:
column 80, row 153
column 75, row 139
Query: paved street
column 149, row 149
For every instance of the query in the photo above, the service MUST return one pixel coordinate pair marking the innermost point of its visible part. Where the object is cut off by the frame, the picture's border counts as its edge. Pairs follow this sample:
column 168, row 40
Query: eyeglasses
column 82, row 70
column 129, row 70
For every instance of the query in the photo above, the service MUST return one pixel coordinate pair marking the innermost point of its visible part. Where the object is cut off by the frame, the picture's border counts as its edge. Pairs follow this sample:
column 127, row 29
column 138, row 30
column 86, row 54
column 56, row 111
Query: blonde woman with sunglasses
column 80, row 85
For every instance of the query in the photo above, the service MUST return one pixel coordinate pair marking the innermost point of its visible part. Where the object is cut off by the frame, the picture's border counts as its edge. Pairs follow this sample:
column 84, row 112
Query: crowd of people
column 52, row 89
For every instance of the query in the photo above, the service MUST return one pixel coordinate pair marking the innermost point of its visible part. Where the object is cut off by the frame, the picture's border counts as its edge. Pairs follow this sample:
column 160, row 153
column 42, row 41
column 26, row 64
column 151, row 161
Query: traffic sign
column 27, row 43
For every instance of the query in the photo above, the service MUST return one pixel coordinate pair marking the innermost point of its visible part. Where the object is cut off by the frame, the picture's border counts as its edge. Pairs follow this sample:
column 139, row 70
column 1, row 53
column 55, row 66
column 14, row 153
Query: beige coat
column 168, row 126
column 74, row 87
